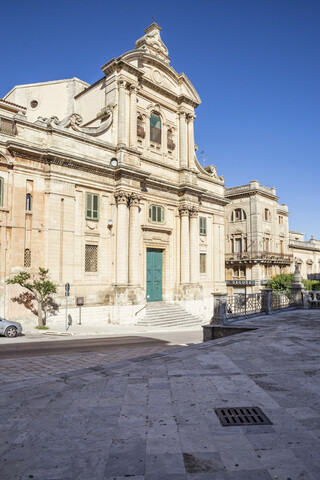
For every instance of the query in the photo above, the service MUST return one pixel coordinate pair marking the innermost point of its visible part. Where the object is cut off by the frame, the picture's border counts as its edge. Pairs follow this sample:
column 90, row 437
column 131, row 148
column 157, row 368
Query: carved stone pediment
column 151, row 43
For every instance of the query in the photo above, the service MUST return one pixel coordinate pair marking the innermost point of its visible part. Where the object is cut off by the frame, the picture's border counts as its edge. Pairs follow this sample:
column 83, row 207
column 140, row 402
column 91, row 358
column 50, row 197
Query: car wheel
column 11, row 332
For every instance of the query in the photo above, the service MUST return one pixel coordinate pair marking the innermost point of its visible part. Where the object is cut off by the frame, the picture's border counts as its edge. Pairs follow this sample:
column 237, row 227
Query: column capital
column 194, row 211
column 190, row 117
column 134, row 200
column 133, row 87
column 183, row 114
column 122, row 83
column 121, row 197
column 184, row 210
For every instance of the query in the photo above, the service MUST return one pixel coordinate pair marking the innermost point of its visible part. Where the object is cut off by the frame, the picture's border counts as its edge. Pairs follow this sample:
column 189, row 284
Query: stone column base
column 190, row 291
column 122, row 295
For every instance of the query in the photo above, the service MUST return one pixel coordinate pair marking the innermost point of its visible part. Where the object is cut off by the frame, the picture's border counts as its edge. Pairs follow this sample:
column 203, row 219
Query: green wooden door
column 154, row 275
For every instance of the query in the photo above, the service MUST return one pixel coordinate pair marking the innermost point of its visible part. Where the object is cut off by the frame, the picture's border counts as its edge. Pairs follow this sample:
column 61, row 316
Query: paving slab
column 112, row 416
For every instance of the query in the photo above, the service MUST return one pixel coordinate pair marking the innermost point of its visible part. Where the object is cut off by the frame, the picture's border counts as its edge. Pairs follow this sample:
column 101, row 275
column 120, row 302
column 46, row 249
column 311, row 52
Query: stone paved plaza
column 96, row 416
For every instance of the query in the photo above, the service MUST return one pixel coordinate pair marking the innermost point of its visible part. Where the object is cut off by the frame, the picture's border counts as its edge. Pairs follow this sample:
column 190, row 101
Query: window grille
column 203, row 263
column 155, row 128
column 27, row 258
column 203, row 225
column 91, row 258
column 156, row 214
column 92, row 206
column 1, row 191
column 7, row 126
column 28, row 202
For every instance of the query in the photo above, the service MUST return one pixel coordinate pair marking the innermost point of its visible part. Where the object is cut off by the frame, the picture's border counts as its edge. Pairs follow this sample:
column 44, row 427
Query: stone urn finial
column 297, row 278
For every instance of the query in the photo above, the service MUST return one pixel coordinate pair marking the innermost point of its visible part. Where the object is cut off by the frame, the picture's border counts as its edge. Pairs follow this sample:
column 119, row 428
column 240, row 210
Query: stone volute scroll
column 75, row 120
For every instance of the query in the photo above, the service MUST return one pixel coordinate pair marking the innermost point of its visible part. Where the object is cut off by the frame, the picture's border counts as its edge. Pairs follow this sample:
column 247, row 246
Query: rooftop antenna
column 203, row 157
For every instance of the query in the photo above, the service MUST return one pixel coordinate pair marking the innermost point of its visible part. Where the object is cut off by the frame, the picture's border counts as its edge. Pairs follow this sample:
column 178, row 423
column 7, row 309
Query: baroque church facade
column 100, row 183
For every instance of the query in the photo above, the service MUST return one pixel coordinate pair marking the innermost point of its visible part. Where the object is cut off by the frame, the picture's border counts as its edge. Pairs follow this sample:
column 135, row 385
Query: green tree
column 41, row 288
column 281, row 283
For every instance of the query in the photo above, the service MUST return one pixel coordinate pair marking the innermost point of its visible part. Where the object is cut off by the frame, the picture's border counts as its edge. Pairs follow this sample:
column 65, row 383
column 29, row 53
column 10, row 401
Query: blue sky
column 254, row 63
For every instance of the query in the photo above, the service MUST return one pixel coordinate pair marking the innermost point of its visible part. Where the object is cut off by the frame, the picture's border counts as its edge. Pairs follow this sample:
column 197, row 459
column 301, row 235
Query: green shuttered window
column 92, row 206
column 203, row 225
column 156, row 214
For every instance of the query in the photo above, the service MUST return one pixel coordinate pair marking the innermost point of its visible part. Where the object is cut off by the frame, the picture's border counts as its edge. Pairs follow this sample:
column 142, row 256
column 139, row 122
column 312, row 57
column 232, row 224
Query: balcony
column 259, row 257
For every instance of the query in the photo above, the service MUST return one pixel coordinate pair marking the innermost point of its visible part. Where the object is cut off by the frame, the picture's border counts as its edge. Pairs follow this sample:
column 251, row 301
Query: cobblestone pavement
column 99, row 416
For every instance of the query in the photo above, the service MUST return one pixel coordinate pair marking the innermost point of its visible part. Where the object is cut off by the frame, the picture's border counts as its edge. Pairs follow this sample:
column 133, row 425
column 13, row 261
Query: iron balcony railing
column 260, row 256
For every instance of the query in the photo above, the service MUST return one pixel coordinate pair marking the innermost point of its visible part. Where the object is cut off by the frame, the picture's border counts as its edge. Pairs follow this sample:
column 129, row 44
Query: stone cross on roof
column 151, row 43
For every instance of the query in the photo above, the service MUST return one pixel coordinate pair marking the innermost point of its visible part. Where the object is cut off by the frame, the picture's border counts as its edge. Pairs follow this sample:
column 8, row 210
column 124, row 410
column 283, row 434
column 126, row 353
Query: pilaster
column 184, row 245
column 134, row 239
column 183, row 144
column 190, row 120
column 122, row 198
column 194, row 246
column 122, row 124
column 133, row 115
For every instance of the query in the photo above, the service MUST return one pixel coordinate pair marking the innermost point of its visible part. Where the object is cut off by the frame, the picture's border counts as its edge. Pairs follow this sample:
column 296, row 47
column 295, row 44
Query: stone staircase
column 160, row 314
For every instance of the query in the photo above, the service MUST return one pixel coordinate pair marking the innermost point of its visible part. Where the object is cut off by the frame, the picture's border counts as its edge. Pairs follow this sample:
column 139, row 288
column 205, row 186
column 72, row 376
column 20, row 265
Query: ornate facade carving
column 75, row 120
column 122, row 197
column 151, row 43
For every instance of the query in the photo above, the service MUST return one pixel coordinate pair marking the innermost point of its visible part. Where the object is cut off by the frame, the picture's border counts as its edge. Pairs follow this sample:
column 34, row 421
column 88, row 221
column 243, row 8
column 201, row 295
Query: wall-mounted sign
column 240, row 282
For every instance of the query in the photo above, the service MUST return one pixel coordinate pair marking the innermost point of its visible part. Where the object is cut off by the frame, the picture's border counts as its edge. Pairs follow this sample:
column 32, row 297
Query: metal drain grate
column 242, row 416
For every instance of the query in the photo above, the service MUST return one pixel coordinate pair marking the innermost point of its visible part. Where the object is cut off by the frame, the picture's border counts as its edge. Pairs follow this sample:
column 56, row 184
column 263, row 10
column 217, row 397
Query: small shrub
column 281, row 283
column 42, row 327
column 311, row 284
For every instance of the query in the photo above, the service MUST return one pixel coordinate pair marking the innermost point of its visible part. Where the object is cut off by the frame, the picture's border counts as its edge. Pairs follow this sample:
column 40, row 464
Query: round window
column 34, row 104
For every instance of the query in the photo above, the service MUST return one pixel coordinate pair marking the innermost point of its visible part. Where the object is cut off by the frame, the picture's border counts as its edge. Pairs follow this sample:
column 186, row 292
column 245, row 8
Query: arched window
column 1, row 191
column 28, row 202
column 170, row 143
column 155, row 128
column 267, row 215
column 27, row 257
column 140, row 127
column 238, row 214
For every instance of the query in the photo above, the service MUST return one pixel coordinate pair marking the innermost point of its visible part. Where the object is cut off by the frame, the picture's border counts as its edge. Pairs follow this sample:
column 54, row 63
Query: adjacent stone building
column 100, row 184
column 257, row 238
column 306, row 255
